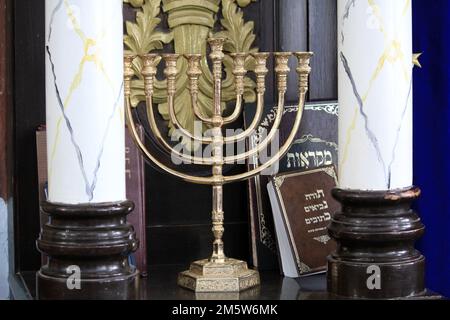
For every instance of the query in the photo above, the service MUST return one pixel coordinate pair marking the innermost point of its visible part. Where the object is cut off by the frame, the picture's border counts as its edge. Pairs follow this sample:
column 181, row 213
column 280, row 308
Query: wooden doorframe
column 28, row 68
column 19, row 110
column 6, row 99
column 7, row 128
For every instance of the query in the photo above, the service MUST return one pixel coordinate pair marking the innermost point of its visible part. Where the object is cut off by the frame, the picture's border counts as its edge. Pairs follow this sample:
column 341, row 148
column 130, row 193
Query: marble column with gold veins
column 375, row 94
column 85, row 104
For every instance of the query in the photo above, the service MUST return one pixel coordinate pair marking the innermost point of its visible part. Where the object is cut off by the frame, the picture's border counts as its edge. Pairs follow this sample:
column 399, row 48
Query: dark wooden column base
column 96, row 240
column 376, row 231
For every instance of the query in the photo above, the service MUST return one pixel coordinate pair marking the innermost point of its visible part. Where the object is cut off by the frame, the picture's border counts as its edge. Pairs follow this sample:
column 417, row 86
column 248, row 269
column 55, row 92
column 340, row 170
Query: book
column 315, row 146
column 135, row 182
column 303, row 206
column 41, row 149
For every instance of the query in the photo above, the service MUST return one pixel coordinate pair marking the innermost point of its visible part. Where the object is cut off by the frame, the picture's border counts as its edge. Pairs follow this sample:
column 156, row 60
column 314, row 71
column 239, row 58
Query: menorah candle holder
column 218, row 273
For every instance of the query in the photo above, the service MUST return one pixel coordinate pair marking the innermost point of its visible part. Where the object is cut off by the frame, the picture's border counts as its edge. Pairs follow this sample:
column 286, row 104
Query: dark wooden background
column 178, row 213
column 6, row 92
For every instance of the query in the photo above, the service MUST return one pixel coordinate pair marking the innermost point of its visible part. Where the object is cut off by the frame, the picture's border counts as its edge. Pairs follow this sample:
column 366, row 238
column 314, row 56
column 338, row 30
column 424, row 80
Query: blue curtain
column 431, row 21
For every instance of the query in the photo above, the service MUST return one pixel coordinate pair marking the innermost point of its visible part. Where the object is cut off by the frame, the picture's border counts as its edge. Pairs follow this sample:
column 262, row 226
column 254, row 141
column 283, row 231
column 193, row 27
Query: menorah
column 218, row 273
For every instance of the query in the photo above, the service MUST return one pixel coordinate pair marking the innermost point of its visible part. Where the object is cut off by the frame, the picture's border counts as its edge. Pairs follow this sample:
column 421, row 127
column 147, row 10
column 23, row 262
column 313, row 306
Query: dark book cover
column 41, row 148
column 135, row 181
column 303, row 206
column 315, row 146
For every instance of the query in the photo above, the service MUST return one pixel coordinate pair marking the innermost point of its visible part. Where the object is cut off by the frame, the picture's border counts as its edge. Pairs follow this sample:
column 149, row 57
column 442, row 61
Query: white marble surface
column 375, row 94
column 85, row 105
column 4, row 269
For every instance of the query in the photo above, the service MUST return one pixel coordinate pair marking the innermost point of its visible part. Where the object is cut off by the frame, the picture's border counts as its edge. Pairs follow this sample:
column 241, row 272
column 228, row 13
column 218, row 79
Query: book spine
column 41, row 148
column 135, row 182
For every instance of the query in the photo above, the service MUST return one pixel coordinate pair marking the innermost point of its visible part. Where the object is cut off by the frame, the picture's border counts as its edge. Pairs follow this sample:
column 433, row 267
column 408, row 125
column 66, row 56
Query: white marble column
column 375, row 94
column 85, row 104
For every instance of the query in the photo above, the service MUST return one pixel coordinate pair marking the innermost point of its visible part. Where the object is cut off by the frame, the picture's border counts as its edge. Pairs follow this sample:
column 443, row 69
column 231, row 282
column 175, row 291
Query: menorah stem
column 217, row 57
column 217, row 89
column 217, row 172
column 217, row 274
column 218, row 229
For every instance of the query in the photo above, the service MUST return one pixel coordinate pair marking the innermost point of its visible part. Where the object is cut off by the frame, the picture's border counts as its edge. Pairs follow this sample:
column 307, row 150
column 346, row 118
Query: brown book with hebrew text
column 315, row 146
column 135, row 180
column 302, row 207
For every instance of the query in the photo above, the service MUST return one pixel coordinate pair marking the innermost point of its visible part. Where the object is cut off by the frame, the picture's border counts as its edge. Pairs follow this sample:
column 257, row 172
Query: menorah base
column 231, row 276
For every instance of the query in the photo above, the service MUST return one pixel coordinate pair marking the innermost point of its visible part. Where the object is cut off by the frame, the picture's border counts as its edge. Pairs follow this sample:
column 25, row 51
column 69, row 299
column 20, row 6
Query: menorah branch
column 128, row 74
column 281, row 153
column 239, row 73
column 261, row 72
column 149, row 73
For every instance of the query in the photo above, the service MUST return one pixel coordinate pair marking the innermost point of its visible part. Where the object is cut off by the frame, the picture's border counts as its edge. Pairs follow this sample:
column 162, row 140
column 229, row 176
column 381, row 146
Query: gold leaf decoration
column 244, row 3
column 240, row 38
column 135, row 3
column 141, row 36
column 239, row 34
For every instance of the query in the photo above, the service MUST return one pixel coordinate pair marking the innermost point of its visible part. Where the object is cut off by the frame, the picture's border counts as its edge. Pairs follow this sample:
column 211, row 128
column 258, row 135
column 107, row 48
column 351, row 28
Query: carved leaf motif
column 239, row 33
column 141, row 36
column 240, row 38
column 135, row 3
column 244, row 3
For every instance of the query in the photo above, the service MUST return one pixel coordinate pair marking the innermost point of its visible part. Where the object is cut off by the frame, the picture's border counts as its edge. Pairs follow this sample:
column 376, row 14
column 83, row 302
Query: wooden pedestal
column 88, row 248
column 376, row 258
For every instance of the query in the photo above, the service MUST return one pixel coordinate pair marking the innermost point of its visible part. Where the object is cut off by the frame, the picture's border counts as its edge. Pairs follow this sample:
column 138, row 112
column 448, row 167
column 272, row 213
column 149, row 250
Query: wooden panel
column 172, row 202
column 29, row 114
column 266, row 41
column 6, row 151
column 6, row 109
column 3, row 105
column 323, row 41
column 180, row 245
column 292, row 36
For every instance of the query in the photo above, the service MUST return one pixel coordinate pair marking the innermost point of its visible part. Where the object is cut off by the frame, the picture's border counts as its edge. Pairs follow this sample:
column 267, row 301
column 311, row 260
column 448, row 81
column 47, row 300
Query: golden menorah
column 218, row 273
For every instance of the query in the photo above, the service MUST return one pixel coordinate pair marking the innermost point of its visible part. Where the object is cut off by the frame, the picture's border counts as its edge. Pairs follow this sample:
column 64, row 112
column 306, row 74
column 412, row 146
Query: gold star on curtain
column 415, row 59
